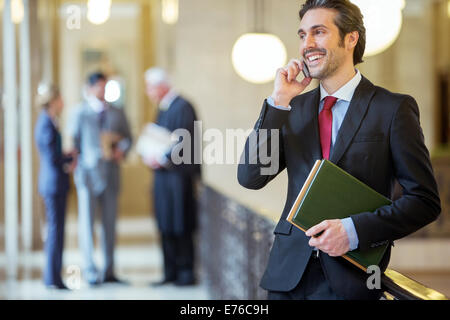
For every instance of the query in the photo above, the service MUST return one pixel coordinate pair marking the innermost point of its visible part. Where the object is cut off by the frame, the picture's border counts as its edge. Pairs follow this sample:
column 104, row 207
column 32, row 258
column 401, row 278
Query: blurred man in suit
column 173, row 193
column 53, row 180
column 372, row 133
column 102, row 136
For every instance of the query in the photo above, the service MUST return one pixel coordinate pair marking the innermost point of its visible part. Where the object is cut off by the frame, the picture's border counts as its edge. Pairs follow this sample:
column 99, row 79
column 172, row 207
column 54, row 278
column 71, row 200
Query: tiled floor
column 138, row 261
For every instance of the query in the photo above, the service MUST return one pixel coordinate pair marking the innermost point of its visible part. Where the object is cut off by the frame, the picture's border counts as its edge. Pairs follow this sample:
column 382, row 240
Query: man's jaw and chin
column 318, row 72
column 326, row 67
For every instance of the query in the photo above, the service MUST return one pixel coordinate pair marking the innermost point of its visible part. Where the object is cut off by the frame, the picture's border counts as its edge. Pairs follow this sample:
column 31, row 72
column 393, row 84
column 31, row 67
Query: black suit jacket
column 173, row 193
column 380, row 141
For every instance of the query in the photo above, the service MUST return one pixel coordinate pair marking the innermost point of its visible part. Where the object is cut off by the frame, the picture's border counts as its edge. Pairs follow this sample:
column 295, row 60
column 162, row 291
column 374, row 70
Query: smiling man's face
column 321, row 45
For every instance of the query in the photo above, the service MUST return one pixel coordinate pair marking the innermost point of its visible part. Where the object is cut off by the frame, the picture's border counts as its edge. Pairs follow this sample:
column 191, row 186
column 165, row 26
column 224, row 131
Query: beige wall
column 201, row 46
column 202, row 71
column 408, row 66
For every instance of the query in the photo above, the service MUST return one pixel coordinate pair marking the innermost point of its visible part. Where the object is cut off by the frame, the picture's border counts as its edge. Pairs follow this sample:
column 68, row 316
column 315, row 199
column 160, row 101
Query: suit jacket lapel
column 311, row 118
column 352, row 121
column 316, row 149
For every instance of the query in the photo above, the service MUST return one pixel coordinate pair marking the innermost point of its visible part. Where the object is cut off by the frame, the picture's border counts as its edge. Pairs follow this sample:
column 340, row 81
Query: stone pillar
column 26, row 162
column 11, row 142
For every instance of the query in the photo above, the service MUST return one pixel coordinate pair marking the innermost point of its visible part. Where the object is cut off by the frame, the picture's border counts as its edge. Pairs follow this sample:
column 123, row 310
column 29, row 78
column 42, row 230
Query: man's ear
column 352, row 39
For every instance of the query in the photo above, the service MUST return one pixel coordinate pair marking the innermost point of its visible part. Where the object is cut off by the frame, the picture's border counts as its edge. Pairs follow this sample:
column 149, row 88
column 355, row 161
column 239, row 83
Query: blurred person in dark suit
column 173, row 192
column 55, row 167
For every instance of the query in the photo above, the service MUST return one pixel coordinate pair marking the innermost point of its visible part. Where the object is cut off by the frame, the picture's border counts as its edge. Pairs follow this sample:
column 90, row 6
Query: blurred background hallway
column 138, row 259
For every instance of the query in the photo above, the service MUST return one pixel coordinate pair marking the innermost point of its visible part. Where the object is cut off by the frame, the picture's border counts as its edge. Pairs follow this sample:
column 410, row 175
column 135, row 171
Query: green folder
column 331, row 193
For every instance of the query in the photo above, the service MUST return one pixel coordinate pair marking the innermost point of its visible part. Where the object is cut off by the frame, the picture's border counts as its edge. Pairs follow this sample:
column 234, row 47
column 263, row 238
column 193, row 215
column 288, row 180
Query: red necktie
column 325, row 125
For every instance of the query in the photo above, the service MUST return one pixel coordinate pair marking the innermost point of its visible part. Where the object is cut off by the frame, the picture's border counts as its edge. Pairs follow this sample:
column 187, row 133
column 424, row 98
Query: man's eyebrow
column 312, row 28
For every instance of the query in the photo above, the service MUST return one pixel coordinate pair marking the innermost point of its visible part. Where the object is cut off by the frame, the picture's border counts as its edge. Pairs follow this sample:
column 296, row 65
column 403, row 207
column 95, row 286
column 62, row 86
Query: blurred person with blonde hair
column 55, row 167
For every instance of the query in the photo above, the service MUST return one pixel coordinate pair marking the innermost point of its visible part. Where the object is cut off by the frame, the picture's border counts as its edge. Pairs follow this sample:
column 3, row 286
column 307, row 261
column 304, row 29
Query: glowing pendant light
column 98, row 11
column 256, row 56
column 383, row 21
column 169, row 11
column 17, row 11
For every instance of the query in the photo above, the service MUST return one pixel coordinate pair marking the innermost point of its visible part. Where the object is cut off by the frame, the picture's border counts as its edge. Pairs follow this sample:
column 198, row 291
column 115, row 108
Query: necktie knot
column 330, row 101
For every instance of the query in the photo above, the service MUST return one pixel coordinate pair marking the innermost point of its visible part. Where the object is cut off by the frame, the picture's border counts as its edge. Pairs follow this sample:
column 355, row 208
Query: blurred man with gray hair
column 174, row 202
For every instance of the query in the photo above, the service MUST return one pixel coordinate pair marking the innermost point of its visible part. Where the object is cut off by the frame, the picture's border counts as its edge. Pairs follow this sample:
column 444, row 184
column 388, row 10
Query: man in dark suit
column 373, row 134
column 174, row 182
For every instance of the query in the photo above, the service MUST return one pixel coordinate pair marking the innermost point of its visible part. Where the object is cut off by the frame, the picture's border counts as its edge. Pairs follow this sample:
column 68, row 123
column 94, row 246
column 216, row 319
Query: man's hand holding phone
column 286, row 84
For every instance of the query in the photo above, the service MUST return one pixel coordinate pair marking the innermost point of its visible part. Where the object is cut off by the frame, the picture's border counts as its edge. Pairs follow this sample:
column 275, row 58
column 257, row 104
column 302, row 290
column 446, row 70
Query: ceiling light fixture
column 98, row 11
column 383, row 21
column 169, row 11
column 257, row 55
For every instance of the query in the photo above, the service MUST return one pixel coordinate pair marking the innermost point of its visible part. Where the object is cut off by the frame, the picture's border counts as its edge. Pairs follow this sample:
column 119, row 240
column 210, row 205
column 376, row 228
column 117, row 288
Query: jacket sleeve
column 182, row 157
column 126, row 142
column 73, row 128
column 47, row 145
column 263, row 156
column 420, row 204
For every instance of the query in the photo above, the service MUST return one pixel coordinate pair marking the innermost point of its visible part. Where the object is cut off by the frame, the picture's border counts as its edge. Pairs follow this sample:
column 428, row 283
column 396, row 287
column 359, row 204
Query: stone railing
column 234, row 244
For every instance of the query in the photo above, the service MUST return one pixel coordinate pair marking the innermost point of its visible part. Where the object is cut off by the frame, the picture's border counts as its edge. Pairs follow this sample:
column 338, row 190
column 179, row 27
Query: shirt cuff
column 124, row 145
column 272, row 104
column 163, row 161
column 349, row 227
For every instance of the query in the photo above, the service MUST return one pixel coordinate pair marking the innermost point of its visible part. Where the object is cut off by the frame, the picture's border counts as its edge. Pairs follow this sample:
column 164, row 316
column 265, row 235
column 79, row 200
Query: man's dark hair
column 95, row 77
column 349, row 19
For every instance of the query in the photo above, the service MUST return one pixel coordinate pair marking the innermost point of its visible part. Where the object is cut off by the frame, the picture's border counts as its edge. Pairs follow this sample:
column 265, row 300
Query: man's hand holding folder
column 327, row 199
column 330, row 237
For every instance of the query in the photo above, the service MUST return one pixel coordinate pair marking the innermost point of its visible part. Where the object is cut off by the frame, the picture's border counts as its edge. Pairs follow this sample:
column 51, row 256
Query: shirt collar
column 96, row 105
column 167, row 100
column 346, row 91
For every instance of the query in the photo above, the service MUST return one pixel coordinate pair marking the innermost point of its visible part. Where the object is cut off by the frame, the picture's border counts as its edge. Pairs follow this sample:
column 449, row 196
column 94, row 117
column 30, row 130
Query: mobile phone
column 318, row 234
column 306, row 70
